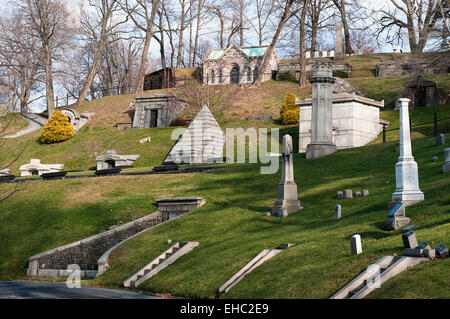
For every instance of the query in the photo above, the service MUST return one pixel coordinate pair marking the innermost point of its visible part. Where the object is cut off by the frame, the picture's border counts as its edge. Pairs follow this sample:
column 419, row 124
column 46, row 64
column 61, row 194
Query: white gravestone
column 308, row 55
column 331, row 54
column 337, row 212
column 355, row 244
column 324, row 54
column 406, row 171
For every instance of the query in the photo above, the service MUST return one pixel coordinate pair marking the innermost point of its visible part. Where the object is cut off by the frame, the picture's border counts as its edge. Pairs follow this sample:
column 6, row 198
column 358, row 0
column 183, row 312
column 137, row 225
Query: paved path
column 35, row 123
column 34, row 290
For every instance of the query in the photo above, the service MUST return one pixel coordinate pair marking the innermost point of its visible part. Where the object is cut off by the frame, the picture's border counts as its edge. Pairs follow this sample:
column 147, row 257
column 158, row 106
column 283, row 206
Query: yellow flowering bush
column 289, row 113
column 57, row 129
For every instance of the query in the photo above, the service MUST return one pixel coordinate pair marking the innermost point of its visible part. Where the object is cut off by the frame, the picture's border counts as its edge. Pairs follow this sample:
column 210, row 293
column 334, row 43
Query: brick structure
column 237, row 65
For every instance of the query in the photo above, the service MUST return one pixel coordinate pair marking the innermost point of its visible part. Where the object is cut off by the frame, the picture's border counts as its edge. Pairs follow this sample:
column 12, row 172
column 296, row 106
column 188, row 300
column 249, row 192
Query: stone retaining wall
column 85, row 253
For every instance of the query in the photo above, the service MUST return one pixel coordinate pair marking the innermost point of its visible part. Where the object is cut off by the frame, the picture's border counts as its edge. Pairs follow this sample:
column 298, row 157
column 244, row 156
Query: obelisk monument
column 322, row 82
column 339, row 53
column 406, row 171
column 287, row 201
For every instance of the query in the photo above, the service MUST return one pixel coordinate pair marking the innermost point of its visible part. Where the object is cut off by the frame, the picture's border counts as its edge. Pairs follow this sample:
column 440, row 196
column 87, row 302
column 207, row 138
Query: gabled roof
column 248, row 51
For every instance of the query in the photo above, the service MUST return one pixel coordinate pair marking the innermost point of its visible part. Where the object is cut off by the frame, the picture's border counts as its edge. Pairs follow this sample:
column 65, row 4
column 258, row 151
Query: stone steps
column 389, row 267
column 159, row 263
column 266, row 254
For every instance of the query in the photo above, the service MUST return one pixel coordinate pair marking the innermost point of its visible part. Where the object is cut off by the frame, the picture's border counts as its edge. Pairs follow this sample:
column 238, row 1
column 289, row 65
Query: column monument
column 287, row 201
column 406, row 171
column 322, row 82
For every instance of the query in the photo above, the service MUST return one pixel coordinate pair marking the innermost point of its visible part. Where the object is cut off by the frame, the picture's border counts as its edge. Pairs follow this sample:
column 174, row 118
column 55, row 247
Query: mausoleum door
column 154, row 118
column 234, row 75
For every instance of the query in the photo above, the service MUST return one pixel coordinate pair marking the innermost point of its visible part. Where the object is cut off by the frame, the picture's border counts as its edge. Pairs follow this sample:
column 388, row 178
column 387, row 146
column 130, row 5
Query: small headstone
column 168, row 241
column 423, row 245
column 145, row 140
column 331, row 54
column 434, row 159
column 440, row 139
column 324, row 54
column 348, row 193
column 397, row 218
column 430, row 253
column 409, row 228
column 365, row 192
column 397, row 147
column 339, row 195
column 266, row 214
column 316, row 54
column 285, row 246
column 308, row 55
column 441, row 250
column 357, row 194
column 355, row 244
column 337, row 211
column 409, row 239
column 446, row 166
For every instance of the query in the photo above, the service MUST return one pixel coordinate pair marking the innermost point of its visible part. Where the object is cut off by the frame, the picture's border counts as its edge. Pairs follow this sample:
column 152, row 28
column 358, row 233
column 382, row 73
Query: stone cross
column 446, row 166
column 355, row 244
column 337, row 212
column 322, row 82
column 406, row 171
column 287, row 201
column 339, row 55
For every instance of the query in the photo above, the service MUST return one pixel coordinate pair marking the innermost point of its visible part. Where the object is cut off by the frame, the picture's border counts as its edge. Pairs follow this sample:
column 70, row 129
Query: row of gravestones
column 349, row 194
column 411, row 247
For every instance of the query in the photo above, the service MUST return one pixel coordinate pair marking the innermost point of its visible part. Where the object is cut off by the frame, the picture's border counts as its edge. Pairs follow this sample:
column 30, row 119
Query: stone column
column 406, row 170
column 339, row 55
column 322, row 82
column 287, row 201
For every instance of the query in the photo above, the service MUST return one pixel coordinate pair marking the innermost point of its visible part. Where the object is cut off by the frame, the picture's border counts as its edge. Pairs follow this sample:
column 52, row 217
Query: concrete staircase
column 159, row 263
column 266, row 254
column 368, row 281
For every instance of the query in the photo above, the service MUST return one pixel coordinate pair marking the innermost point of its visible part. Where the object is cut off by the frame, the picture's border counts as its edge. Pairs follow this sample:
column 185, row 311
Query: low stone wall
column 85, row 253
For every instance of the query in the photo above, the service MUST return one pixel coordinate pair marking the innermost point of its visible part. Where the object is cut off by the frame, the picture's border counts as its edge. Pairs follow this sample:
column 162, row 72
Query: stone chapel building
column 237, row 65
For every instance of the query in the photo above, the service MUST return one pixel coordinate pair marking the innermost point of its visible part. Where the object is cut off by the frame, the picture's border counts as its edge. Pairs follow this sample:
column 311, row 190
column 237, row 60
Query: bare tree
column 303, row 81
column 317, row 19
column 48, row 19
column 341, row 6
column 99, row 22
column 417, row 17
column 20, row 59
column 285, row 7
column 143, row 13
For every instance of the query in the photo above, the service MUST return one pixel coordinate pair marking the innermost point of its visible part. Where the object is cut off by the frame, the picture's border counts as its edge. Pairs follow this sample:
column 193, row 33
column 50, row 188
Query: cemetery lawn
column 12, row 123
column 231, row 227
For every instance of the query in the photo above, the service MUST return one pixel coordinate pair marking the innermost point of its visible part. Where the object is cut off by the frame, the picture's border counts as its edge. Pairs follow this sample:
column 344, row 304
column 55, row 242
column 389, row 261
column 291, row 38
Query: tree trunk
column 197, row 31
column 303, row 81
column 269, row 51
column 180, row 38
column 49, row 82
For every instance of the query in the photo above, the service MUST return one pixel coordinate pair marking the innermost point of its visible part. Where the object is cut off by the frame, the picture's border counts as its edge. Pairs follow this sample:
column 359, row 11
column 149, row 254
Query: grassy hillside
column 12, row 123
column 230, row 227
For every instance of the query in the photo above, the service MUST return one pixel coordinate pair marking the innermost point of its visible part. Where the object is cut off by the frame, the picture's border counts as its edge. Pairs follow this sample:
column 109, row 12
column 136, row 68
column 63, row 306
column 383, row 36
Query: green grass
column 230, row 226
column 12, row 123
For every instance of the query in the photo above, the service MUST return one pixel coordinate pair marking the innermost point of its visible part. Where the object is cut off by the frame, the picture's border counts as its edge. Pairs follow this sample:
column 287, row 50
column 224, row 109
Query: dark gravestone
column 54, row 175
column 409, row 239
column 396, row 217
column 339, row 195
column 166, row 166
column 109, row 171
column 440, row 139
column 408, row 228
column 423, row 245
column 441, row 250
column 6, row 178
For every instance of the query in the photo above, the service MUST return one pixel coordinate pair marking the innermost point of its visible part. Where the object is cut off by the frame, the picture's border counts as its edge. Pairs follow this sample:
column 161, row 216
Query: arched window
column 249, row 74
column 213, row 77
column 255, row 74
column 220, row 76
column 234, row 75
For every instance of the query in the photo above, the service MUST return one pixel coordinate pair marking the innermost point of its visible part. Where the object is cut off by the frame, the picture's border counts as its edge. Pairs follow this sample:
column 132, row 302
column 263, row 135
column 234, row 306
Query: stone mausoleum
column 355, row 120
column 156, row 110
column 237, row 65
column 35, row 168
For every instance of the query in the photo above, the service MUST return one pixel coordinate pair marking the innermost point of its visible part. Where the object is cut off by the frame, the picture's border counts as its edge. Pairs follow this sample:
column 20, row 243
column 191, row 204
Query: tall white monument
column 287, row 201
column 406, row 171
column 322, row 82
